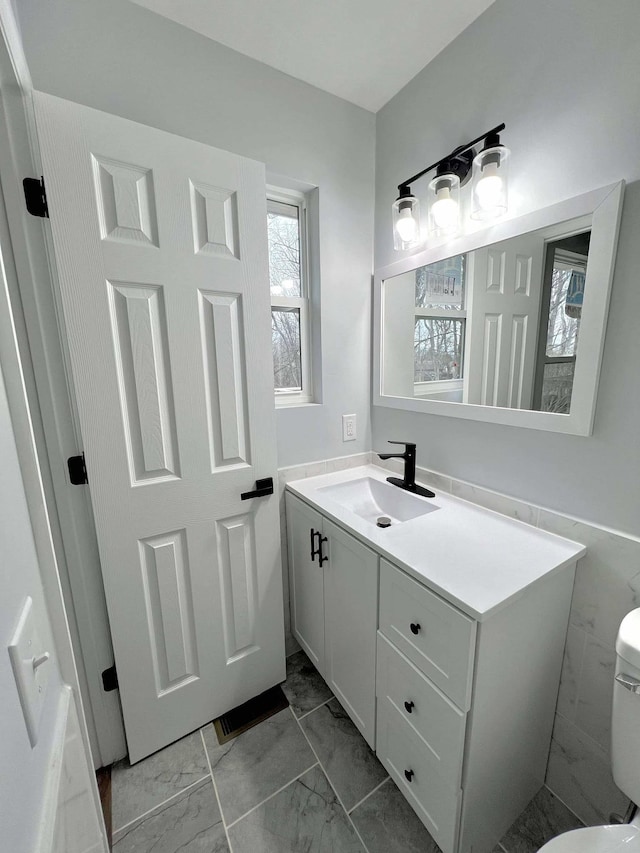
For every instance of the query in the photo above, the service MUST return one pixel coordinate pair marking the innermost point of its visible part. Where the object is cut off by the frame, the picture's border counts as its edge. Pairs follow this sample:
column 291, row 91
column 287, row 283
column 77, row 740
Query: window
column 288, row 280
column 439, row 326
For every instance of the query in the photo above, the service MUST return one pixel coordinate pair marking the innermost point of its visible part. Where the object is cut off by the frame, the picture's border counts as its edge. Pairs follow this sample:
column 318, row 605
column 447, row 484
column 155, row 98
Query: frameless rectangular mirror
column 509, row 326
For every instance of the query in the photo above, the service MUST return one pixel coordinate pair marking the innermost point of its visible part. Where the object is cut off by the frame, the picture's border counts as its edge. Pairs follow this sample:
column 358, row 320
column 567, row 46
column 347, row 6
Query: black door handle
column 409, row 706
column 263, row 488
column 415, row 627
column 409, row 774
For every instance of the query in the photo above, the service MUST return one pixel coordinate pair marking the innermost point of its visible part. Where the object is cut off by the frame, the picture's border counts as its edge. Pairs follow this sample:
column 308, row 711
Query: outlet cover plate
column 349, row 431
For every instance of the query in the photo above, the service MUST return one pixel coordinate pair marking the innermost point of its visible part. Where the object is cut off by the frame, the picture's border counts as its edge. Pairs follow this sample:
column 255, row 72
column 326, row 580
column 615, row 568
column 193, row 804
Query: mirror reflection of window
column 439, row 326
column 563, row 293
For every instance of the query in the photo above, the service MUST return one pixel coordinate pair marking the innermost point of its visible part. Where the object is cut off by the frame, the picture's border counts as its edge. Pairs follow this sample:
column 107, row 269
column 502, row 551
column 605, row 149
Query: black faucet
column 408, row 482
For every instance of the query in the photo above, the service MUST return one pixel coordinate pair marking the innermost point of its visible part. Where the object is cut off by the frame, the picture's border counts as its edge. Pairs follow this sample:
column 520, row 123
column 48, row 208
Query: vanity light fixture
column 489, row 193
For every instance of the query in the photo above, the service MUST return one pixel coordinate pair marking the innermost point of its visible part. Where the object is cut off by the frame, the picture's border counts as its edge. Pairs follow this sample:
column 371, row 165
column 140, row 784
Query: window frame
column 568, row 261
column 293, row 198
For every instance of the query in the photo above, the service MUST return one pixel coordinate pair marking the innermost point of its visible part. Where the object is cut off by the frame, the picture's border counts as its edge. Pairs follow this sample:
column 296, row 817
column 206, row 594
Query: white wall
column 24, row 770
column 563, row 75
column 123, row 59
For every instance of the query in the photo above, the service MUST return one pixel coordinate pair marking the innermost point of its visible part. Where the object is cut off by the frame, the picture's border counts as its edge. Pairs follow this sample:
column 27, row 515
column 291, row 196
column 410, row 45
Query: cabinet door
column 351, row 606
column 307, row 580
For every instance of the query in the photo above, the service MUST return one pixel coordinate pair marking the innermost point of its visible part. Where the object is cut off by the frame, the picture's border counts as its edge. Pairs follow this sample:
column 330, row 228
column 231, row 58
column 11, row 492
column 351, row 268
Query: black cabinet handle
column 321, row 558
column 317, row 552
column 415, row 627
column 263, row 488
column 313, row 550
column 409, row 706
column 408, row 775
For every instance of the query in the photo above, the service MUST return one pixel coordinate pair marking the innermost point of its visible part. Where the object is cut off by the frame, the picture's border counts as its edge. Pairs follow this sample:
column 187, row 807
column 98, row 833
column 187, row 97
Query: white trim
column 287, row 398
column 604, row 207
column 50, row 400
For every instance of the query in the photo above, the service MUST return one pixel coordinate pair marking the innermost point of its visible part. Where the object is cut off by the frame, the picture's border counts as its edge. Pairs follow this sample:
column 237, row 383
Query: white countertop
column 473, row 557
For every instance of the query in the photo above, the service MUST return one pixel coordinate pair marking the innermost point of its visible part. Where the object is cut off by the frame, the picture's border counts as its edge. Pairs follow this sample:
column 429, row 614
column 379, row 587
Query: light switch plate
column 31, row 668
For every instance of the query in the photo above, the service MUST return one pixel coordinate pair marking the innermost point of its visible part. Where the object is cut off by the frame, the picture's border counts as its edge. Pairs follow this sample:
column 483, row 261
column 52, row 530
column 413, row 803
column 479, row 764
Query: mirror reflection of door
column 496, row 327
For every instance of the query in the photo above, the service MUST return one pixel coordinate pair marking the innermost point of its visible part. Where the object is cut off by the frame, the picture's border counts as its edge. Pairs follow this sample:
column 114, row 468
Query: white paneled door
column 502, row 322
column 161, row 250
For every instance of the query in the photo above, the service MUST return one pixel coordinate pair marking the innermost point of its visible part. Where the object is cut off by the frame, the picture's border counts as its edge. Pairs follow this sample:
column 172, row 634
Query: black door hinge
column 110, row 679
column 77, row 470
column 36, row 197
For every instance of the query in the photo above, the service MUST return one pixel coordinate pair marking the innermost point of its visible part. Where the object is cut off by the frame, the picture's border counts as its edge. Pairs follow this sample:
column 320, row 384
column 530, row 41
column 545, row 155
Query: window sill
column 294, row 402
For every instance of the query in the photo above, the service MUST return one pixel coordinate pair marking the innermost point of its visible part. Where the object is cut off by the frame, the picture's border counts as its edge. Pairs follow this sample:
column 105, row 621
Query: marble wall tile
column 498, row 503
column 571, row 670
column 607, row 583
column 191, row 823
column 342, row 463
column 579, row 773
column 595, row 692
column 387, row 823
column 254, row 765
column 438, row 482
column 305, row 816
column 352, row 768
column 137, row 789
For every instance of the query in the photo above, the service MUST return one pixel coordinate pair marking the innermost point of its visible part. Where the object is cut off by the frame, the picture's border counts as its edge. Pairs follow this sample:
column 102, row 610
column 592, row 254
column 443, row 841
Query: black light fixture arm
column 491, row 136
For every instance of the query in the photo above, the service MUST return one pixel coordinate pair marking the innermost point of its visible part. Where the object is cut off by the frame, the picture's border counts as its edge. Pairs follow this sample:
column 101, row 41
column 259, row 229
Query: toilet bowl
column 620, row 838
column 625, row 753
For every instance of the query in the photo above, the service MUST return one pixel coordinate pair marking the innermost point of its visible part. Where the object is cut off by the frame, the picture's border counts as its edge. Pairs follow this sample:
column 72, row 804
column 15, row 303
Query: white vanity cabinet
column 460, row 640
column 334, row 608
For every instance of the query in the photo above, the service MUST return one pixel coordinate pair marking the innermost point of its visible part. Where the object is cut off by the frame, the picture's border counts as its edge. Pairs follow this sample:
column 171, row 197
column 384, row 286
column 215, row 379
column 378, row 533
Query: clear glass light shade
column 406, row 223
column 444, row 205
column 490, row 183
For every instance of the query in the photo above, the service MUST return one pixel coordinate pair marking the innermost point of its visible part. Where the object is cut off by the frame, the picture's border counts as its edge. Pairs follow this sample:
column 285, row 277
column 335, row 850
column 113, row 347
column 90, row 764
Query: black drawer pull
column 408, row 775
column 415, row 627
column 409, row 706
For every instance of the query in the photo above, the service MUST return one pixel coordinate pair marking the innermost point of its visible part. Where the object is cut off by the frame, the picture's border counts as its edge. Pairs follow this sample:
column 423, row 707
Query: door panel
column 161, row 251
column 351, row 605
column 307, row 580
column 502, row 325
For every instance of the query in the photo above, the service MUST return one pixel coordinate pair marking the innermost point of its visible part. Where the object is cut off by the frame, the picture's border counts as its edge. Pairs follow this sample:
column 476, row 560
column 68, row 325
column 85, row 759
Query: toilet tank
column 625, row 721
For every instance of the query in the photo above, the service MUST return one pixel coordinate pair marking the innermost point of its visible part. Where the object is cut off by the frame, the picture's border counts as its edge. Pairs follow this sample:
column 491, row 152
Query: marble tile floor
column 303, row 781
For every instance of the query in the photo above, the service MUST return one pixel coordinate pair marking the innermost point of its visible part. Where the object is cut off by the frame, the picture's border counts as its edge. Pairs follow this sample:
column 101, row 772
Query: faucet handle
column 407, row 444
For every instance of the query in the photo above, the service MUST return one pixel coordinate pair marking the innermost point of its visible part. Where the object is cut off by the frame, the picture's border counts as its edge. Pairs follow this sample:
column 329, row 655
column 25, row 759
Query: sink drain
column 383, row 521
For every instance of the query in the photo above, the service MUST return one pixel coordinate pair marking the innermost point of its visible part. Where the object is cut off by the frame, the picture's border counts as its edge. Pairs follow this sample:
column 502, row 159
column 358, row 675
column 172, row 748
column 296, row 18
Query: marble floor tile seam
column 370, row 794
column 275, row 793
column 215, row 791
column 317, row 708
column 159, row 806
column 338, row 798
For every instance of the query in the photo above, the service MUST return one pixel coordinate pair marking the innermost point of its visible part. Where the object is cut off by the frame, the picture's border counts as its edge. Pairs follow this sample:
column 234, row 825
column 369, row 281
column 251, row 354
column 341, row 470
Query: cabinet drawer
column 411, row 765
column 437, row 637
column 439, row 722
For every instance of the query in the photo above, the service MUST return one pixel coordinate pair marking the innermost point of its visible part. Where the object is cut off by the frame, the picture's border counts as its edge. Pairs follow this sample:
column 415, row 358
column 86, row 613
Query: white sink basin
column 371, row 499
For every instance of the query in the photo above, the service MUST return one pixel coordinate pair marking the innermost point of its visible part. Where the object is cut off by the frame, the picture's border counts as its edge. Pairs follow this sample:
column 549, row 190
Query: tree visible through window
column 285, row 231
column 440, row 321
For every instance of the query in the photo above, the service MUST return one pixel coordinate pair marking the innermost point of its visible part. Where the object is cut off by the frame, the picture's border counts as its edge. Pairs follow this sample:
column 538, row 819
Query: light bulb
column 444, row 210
column 406, row 226
column 489, row 189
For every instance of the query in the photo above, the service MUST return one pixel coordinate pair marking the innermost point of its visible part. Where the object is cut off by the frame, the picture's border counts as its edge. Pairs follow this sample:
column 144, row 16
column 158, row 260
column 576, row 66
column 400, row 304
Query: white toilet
column 625, row 753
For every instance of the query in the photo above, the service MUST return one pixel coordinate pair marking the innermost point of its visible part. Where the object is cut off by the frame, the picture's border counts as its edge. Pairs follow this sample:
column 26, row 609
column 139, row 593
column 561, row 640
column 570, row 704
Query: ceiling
column 361, row 50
